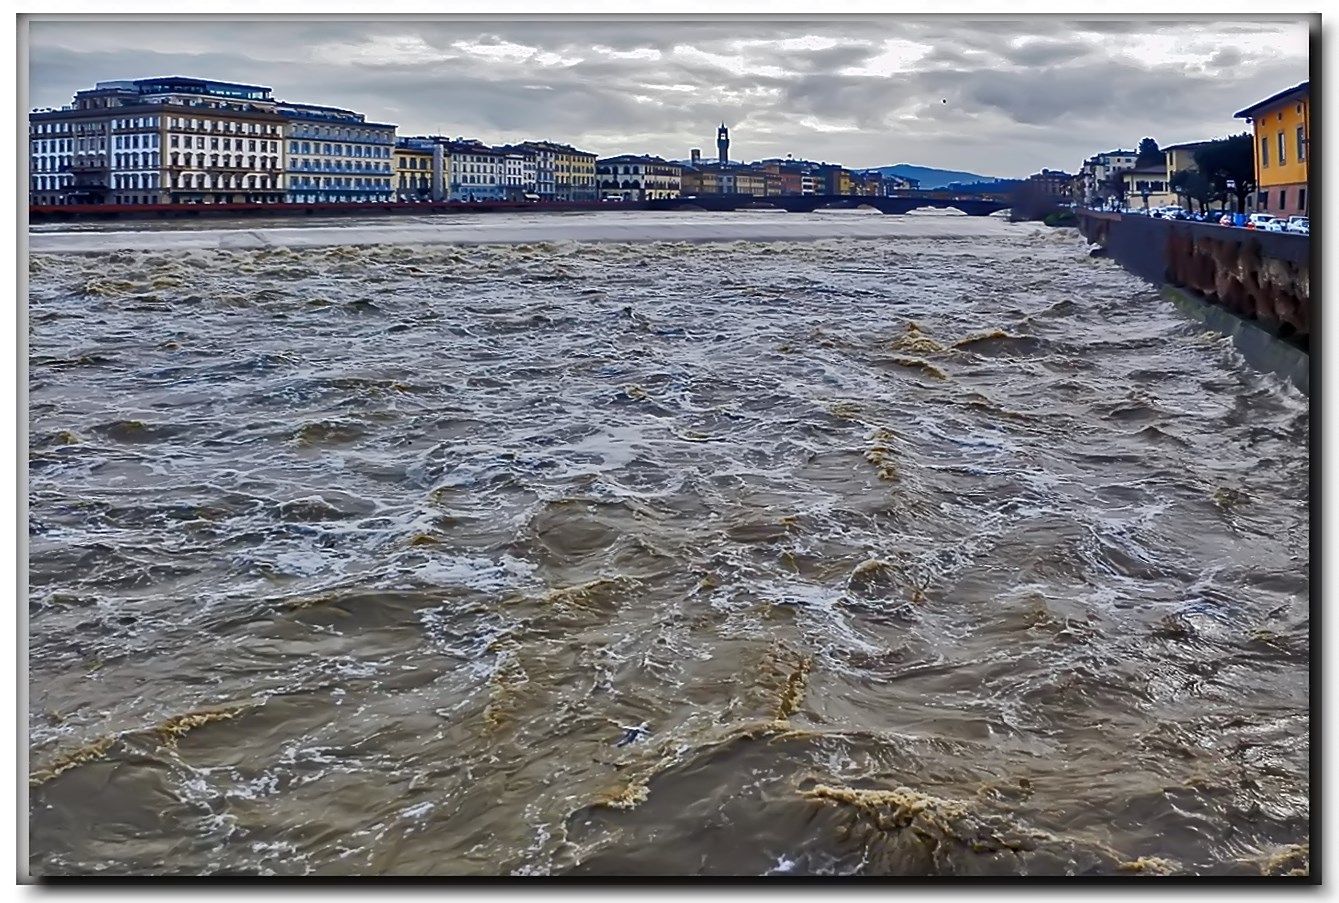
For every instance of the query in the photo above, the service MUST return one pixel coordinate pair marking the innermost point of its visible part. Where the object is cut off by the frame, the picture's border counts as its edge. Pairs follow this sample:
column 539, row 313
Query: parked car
column 1258, row 220
column 1274, row 225
column 1298, row 225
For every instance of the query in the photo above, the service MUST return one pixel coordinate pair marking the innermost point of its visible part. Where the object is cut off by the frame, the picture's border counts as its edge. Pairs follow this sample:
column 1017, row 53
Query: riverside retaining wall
column 1260, row 276
column 1255, row 286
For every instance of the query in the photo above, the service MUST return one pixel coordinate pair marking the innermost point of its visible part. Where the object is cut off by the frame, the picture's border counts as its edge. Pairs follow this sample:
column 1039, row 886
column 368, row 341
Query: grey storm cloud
column 1047, row 52
column 1225, row 58
column 999, row 96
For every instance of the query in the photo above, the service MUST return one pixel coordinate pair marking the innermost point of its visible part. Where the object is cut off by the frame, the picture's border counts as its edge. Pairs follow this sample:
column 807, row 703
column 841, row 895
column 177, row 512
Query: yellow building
column 751, row 183
column 700, row 180
column 844, row 182
column 1282, row 129
column 413, row 174
column 1182, row 157
column 563, row 173
column 574, row 174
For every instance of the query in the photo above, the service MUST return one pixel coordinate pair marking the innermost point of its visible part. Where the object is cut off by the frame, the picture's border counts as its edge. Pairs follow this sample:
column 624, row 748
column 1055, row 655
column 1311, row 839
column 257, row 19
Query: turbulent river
column 918, row 545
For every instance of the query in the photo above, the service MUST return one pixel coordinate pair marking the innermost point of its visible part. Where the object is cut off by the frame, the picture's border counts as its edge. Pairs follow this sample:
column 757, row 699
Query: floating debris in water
column 1226, row 496
column 982, row 337
column 632, row 734
column 792, row 694
column 628, row 796
column 1174, row 627
column 1150, row 865
column 1292, row 861
column 914, row 341
column 504, row 693
column 880, row 452
column 84, row 754
column 167, row 732
column 694, row 436
column 846, row 410
column 173, row 729
column 916, row 363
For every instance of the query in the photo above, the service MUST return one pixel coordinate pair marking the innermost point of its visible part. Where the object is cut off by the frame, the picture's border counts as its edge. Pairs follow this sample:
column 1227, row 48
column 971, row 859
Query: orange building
column 1282, row 126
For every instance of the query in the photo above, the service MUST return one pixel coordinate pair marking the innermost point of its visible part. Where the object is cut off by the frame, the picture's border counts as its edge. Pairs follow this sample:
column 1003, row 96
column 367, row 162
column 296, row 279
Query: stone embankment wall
column 1263, row 278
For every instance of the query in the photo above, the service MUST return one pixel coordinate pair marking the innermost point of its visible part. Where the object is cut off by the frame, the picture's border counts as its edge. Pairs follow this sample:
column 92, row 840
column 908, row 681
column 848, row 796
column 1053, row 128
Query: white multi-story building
column 1096, row 175
column 336, row 156
column 159, row 141
column 475, row 172
column 520, row 172
column 51, row 148
column 638, row 178
column 545, row 160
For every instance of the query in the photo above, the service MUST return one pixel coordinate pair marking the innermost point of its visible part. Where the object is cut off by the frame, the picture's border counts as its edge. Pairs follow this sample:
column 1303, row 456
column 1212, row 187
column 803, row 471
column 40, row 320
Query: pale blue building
column 336, row 156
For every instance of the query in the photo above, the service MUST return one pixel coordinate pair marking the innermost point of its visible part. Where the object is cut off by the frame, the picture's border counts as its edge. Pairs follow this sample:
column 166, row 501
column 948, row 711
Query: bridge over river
column 901, row 203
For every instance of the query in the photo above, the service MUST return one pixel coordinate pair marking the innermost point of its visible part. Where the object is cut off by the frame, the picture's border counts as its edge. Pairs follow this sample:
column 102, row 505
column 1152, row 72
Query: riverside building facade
column 476, row 172
column 573, row 171
column 413, row 171
column 1281, row 127
column 545, row 159
column 638, row 178
column 336, row 156
column 520, row 172
column 169, row 140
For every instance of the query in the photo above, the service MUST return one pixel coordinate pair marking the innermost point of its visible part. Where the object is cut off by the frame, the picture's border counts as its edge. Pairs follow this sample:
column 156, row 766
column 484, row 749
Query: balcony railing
column 94, row 165
column 221, row 167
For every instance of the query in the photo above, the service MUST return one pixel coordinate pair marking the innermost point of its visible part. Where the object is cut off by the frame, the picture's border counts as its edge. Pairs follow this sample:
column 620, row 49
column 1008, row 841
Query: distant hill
column 930, row 177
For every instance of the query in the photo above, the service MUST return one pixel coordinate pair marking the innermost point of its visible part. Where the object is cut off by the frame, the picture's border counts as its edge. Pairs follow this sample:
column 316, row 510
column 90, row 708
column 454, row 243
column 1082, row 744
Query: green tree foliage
column 1149, row 153
column 1230, row 159
column 1194, row 186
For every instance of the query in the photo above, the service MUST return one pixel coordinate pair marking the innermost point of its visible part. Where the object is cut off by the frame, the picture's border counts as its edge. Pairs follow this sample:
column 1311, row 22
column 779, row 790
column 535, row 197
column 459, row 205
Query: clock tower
column 723, row 144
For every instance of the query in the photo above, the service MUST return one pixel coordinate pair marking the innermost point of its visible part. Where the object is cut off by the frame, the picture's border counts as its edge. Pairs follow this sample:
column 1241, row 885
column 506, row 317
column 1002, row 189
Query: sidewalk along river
column 943, row 549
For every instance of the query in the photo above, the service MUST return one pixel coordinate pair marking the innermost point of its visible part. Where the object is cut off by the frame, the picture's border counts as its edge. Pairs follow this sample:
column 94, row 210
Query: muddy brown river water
column 942, row 550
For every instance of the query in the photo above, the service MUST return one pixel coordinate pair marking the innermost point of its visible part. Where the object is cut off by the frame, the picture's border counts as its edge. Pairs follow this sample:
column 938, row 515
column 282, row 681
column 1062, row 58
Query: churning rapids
column 936, row 547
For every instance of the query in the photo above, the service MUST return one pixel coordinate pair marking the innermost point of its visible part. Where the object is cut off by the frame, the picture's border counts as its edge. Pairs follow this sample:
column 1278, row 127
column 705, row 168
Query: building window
column 1301, row 200
column 1283, row 147
column 1264, row 200
column 1301, row 143
column 1283, row 198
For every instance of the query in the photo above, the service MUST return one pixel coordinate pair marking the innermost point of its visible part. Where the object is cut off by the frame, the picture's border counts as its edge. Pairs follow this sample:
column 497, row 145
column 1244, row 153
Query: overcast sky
column 1001, row 98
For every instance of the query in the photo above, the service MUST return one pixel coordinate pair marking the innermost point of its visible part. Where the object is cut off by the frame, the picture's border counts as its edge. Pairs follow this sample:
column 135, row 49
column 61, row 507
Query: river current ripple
column 950, row 552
